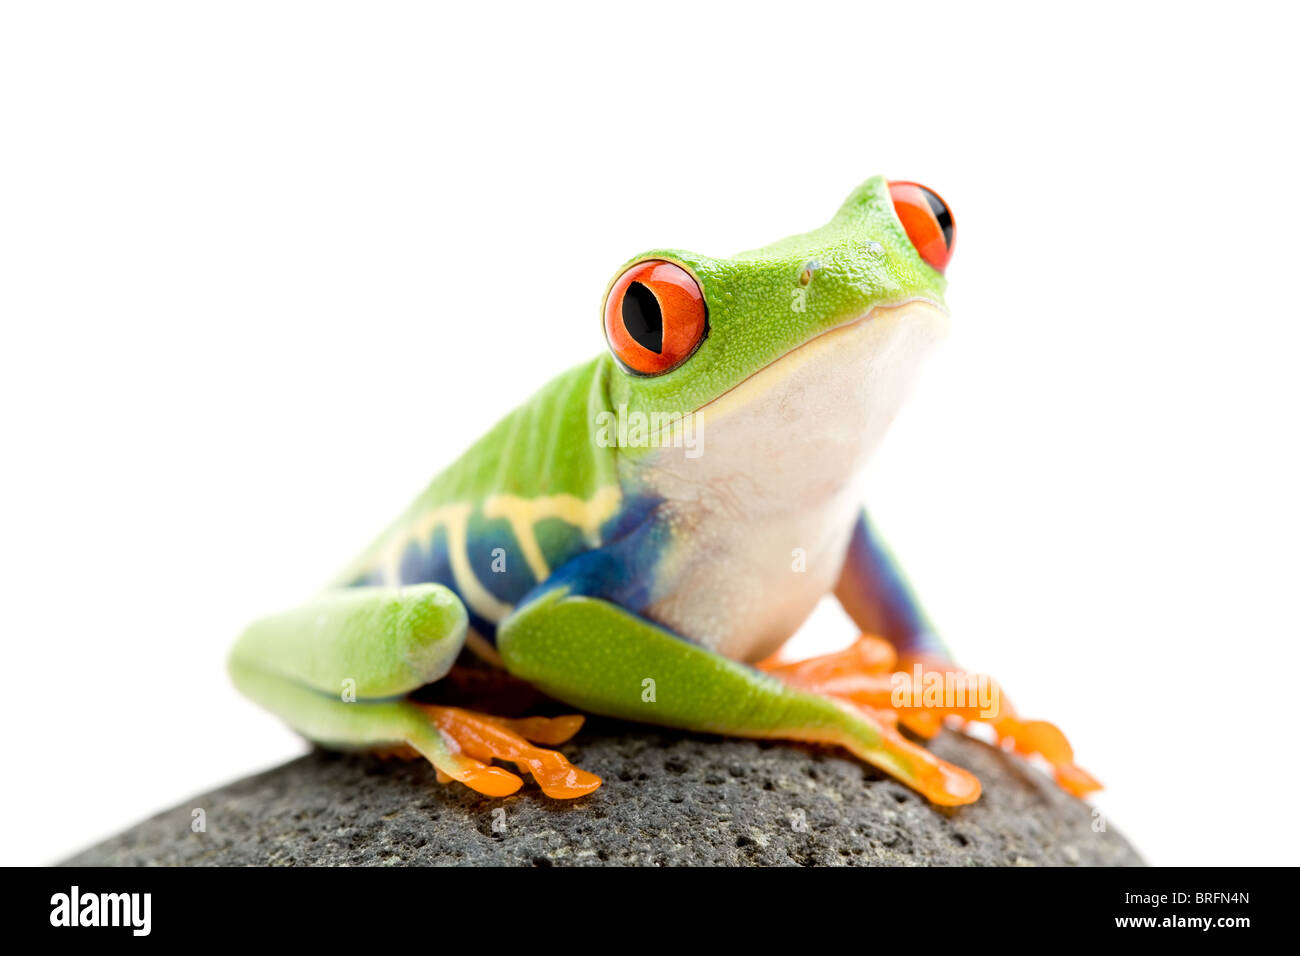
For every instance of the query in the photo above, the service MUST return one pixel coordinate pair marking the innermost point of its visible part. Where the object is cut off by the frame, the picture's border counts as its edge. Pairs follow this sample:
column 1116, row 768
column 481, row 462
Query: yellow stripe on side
column 455, row 519
column 523, row 514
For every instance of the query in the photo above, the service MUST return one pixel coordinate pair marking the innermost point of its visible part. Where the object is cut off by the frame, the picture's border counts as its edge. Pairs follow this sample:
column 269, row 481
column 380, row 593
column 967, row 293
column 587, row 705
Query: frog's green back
column 543, row 447
column 533, row 491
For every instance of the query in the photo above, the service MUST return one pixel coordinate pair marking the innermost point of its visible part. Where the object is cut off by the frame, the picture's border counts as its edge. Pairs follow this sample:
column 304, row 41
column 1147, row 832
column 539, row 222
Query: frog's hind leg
column 339, row 669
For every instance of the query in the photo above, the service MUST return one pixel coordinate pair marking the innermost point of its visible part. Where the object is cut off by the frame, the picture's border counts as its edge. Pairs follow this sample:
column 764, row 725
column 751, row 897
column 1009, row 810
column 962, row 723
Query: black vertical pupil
column 941, row 215
column 643, row 318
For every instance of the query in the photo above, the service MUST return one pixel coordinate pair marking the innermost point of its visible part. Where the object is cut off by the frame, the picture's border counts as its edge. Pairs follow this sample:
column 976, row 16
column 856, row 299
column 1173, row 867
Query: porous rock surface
column 668, row 798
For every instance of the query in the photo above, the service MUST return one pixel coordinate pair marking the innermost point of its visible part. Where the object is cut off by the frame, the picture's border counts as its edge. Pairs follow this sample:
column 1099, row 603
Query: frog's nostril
column 927, row 219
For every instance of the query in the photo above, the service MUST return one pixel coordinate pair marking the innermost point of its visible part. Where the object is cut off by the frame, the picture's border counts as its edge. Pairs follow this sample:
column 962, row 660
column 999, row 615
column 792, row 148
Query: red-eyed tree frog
column 640, row 537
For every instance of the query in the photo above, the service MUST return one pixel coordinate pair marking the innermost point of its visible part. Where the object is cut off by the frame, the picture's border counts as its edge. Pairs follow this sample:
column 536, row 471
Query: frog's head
column 827, row 319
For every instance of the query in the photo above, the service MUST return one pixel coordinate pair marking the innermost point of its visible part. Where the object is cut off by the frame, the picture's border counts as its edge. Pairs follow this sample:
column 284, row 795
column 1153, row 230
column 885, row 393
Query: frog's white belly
column 761, row 518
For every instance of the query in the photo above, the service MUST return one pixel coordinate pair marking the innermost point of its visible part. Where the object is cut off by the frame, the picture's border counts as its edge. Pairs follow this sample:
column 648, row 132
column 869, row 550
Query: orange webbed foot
column 986, row 704
column 867, row 674
column 482, row 738
column 922, row 693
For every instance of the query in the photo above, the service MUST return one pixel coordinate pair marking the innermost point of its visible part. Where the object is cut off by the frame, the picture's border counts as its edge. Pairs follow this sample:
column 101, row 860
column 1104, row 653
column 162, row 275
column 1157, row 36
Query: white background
column 264, row 268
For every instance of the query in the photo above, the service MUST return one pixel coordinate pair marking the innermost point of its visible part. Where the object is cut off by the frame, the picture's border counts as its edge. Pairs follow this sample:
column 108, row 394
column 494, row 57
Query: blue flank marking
column 431, row 565
column 622, row 571
column 422, row 565
column 492, row 543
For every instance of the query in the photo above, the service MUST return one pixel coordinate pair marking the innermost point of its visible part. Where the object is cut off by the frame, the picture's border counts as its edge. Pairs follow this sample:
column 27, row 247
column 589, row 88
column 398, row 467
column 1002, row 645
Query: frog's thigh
column 338, row 668
column 370, row 642
column 596, row 655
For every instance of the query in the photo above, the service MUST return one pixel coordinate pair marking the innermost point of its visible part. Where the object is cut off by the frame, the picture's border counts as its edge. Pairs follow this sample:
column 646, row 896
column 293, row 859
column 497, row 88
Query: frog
column 641, row 538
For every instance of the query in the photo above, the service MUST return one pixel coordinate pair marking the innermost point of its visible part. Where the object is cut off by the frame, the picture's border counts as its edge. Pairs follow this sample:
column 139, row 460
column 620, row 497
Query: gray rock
column 668, row 799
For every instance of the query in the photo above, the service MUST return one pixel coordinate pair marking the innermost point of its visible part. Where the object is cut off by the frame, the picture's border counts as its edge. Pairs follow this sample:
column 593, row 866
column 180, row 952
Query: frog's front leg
column 339, row 668
column 597, row 656
column 879, row 674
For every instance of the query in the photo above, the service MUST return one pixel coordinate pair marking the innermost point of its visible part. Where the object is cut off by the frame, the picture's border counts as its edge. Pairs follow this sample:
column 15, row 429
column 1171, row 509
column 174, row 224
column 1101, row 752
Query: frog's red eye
column 927, row 219
column 655, row 317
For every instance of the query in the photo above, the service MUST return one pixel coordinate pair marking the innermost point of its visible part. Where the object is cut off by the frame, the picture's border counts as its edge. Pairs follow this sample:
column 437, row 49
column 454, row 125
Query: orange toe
column 490, row 781
column 1075, row 780
column 867, row 655
column 484, row 738
column 551, row 731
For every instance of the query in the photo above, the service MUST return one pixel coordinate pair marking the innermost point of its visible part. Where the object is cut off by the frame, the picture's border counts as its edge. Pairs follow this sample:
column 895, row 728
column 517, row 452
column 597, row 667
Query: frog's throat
column 774, row 464
column 888, row 342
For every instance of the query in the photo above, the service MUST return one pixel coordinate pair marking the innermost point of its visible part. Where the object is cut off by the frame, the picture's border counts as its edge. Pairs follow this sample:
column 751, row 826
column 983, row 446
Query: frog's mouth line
column 905, row 316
